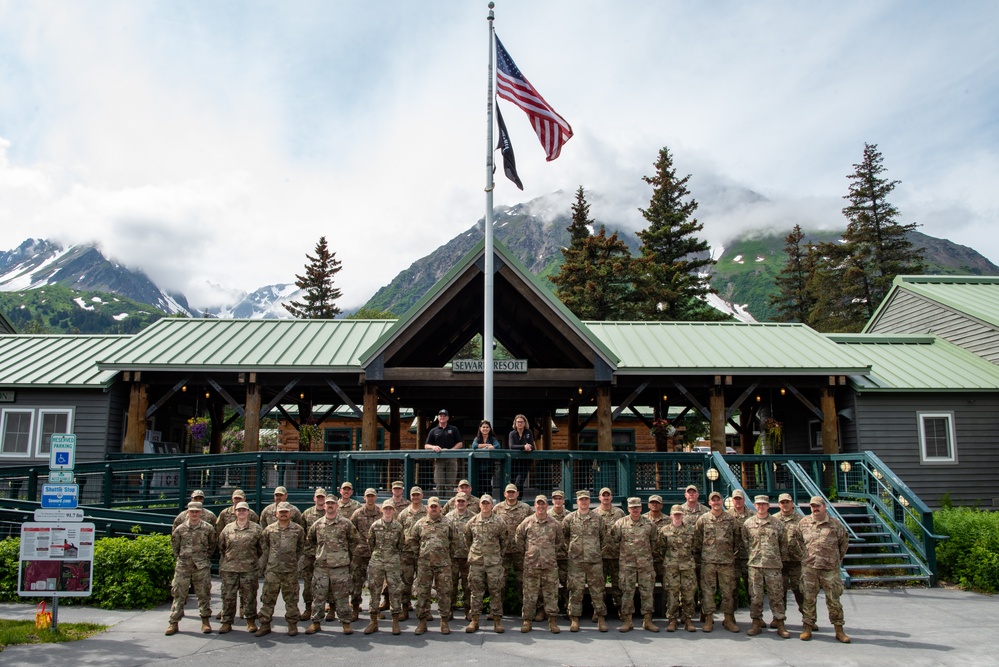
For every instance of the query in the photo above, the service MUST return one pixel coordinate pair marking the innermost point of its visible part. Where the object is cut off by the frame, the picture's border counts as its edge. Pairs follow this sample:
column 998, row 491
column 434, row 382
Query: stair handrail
column 812, row 488
column 725, row 473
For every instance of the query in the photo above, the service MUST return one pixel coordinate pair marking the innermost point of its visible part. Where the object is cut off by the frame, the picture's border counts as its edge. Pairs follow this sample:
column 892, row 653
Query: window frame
column 951, row 432
column 3, row 432
column 41, row 420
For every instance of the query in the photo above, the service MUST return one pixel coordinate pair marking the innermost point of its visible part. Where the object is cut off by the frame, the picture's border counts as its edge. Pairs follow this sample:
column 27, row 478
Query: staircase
column 877, row 556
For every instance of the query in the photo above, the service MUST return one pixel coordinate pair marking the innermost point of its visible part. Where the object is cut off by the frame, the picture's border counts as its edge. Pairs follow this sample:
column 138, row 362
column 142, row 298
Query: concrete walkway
column 900, row 627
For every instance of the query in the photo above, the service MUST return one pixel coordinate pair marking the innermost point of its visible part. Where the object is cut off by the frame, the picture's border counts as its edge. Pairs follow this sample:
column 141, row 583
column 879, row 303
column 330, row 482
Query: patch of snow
column 96, row 299
column 739, row 312
column 760, row 259
column 738, row 259
column 23, row 306
column 79, row 301
column 120, row 316
column 716, row 253
column 21, row 277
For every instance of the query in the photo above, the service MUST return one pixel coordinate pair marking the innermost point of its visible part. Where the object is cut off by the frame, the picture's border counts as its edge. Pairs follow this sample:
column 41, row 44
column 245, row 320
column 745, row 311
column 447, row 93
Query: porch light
column 877, row 473
column 758, row 398
column 207, row 394
column 183, row 389
column 783, row 391
column 728, row 503
column 901, row 499
column 580, row 390
column 665, row 398
column 391, row 390
column 302, row 396
column 712, row 474
column 845, row 466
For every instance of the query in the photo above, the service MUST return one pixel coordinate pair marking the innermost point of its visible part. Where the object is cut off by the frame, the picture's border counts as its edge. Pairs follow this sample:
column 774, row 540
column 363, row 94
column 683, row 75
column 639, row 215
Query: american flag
column 511, row 85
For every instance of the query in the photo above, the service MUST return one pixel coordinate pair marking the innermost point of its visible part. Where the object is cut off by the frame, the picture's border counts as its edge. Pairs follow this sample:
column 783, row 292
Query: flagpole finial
column 492, row 6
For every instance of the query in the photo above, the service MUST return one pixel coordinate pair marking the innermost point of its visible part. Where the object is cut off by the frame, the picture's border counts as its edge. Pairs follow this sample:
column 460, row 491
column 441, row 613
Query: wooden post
column 605, row 440
column 135, row 428
column 572, row 427
column 546, row 430
column 717, row 409
column 251, row 419
column 830, row 430
column 421, row 429
column 369, row 419
column 395, row 432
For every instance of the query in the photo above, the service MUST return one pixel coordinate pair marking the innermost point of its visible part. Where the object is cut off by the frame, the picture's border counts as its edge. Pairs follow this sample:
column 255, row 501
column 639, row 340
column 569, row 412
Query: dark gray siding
column 887, row 425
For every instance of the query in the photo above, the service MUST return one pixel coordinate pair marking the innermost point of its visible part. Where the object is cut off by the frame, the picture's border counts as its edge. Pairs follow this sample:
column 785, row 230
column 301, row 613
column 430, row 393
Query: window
column 815, row 435
column 337, row 439
column 937, row 443
column 379, row 445
column 51, row 422
column 622, row 439
column 15, row 432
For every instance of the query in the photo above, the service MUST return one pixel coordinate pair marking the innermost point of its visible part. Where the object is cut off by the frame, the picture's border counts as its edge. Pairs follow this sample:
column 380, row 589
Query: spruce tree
column 793, row 300
column 673, row 257
column 320, row 297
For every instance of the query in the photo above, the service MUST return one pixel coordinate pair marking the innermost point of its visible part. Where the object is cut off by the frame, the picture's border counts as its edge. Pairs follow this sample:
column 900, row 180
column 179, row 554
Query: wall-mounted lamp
column 758, row 398
column 580, row 390
column 184, row 389
column 783, row 391
column 391, row 390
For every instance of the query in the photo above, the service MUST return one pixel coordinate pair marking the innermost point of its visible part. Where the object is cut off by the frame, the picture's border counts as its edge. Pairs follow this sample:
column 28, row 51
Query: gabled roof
column 5, row 325
column 918, row 363
column 307, row 346
column 724, row 347
column 975, row 296
column 56, row 361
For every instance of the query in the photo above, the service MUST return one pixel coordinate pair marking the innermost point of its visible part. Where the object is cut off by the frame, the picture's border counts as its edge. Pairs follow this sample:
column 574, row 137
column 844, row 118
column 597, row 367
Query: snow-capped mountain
column 264, row 303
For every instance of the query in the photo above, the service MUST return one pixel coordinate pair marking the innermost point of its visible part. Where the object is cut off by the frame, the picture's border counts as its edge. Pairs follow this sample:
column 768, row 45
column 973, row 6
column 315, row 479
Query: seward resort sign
column 499, row 366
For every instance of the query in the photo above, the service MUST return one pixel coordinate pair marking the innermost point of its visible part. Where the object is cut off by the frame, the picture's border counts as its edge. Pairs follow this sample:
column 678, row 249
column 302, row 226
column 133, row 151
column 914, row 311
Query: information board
column 56, row 560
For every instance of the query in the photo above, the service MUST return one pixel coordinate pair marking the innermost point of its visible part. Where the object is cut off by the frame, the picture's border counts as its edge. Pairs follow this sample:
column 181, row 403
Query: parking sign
column 62, row 451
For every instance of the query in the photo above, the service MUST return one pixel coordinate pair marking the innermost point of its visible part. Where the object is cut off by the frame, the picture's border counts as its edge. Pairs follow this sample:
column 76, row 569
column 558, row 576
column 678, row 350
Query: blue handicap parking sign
column 62, row 458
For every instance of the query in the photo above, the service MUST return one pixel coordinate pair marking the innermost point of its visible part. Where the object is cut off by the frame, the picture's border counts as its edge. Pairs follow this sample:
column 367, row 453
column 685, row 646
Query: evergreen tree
column 320, row 297
column 669, row 285
column 793, row 300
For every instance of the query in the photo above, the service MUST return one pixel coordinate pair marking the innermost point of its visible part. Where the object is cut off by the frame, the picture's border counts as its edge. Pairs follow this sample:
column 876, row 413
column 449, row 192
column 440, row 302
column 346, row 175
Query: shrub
column 10, row 552
column 970, row 557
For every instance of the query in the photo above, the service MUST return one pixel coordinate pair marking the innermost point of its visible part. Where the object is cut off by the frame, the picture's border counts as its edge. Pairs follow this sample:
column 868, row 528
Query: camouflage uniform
column 717, row 539
column 307, row 566
column 742, row 558
column 362, row 519
column 791, row 557
column 562, row 558
column 207, row 516
column 239, row 568
column 636, row 540
column 282, row 548
column 386, row 542
column 584, row 537
column 824, row 545
column 658, row 554
column 764, row 540
column 348, row 507
column 487, row 543
column 679, row 569
column 332, row 542
column 193, row 547
column 228, row 515
column 459, row 559
column 611, row 551
column 473, row 504
column 408, row 518
column 269, row 515
column 540, row 541
column 432, row 538
column 691, row 515
column 512, row 516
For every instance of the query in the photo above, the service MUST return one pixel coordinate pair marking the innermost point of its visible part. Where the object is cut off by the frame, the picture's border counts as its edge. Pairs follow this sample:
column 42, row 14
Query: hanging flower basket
column 661, row 428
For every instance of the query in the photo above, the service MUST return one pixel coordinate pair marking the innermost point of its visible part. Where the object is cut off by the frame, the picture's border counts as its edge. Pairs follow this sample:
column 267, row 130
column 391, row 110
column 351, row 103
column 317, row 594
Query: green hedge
column 970, row 558
column 129, row 573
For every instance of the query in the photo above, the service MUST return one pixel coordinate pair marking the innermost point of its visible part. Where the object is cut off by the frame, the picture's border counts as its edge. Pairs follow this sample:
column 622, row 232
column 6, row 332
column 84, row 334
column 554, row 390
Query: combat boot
column 627, row 626
column 688, row 624
column 498, row 625
column 406, row 608
column 671, row 626
column 445, row 628
column 473, row 623
column 218, row 616
column 773, row 623
column 372, row 624
column 313, row 628
column 526, row 627
column 331, row 614
column 602, row 623
column 292, row 628
column 729, row 623
column 308, row 610
column 594, row 619
column 347, row 630
column 384, row 605
column 648, row 625
column 226, row 627
column 171, row 629
column 421, row 627
column 782, row 631
column 264, row 629
column 395, row 624
column 756, row 629
column 841, row 636
column 553, row 624
column 709, row 623
column 540, row 616
column 806, row 632
column 206, row 624
column 251, row 626
column 355, row 612
column 574, row 624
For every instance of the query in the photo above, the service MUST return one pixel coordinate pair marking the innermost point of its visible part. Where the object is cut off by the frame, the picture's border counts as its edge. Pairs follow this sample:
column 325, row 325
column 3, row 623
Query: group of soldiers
column 403, row 548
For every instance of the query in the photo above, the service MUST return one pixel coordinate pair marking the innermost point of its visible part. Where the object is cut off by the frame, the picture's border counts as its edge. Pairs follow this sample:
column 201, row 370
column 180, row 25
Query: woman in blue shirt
column 485, row 440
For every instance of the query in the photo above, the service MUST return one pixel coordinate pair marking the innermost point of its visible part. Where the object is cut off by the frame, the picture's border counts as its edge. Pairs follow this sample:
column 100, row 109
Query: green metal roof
column 63, row 361
column 918, row 363
column 5, row 325
column 246, row 345
column 977, row 296
column 724, row 348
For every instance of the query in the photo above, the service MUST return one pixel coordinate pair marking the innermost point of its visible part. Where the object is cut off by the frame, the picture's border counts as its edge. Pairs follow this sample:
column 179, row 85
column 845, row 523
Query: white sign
column 56, row 560
column 499, row 366
column 60, row 496
column 58, row 515
column 61, row 476
column 62, row 451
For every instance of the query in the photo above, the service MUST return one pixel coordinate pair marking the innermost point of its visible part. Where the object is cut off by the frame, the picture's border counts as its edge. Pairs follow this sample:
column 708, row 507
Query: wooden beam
column 830, row 430
column 742, row 397
column 567, row 377
column 546, row 430
column 605, row 440
column 135, row 427
column 346, row 399
column 804, row 401
column 287, row 416
column 693, row 401
column 277, row 399
column 718, row 419
column 369, row 419
column 631, row 397
column 228, row 399
column 642, row 418
column 166, row 397
column 251, row 423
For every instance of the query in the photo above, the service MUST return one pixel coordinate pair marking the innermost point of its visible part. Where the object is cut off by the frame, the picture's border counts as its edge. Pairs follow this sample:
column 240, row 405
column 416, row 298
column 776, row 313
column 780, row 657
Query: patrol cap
column 541, row 499
column 330, row 500
column 656, row 498
column 347, row 485
column 739, row 493
column 634, row 501
column 583, row 493
column 511, row 487
column 242, row 506
column 370, row 492
column 281, row 490
column 464, row 482
column 817, row 500
column 676, row 509
column 398, row 485
column 434, row 502
column 761, row 499
column 320, row 493
column 198, row 494
column 605, row 490
column 714, row 494
column 785, row 496
column 388, row 505
column 444, row 412
column 239, row 493
column 486, row 498
column 284, row 507
column 558, row 493
column 690, row 487
column 415, row 490
column 461, row 495
column 195, row 505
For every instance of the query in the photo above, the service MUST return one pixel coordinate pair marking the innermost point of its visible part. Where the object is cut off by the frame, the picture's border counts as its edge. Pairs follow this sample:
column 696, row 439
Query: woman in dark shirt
column 521, row 439
column 486, row 440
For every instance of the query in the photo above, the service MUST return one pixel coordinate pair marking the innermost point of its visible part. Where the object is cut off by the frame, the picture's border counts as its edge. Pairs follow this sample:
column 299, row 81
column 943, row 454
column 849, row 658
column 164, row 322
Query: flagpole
column 487, row 308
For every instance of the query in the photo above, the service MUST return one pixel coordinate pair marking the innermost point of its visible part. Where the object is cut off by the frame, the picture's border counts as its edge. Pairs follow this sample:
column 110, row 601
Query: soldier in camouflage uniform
column 193, row 543
column 511, row 511
column 386, row 540
column 332, row 539
column 207, row 516
column 584, row 536
column 741, row 512
column 283, row 543
column 408, row 517
column 558, row 512
column 464, row 486
column 679, row 569
column 362, row 519
column 539, row 537
column 459, row 554
column 486, row 535
column 239, row 563
column 692, row 509
column 268, row 515
column 308, row 564
column 791, row 558
column 658, row 518
column 228, row 515
column 347, row 503
column 432, row 537
column 824, row 542
column 717, row 536
column 400, row 502
column 637, row 538
column 763, row 536
column 612, row 567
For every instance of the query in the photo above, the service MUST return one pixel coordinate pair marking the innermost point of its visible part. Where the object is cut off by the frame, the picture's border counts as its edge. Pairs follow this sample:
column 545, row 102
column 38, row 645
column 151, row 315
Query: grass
column 24, row 632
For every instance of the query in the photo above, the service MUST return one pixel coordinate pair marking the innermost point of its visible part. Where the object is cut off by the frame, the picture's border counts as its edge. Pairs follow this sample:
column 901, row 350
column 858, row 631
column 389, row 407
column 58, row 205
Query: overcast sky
column 214, row 142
